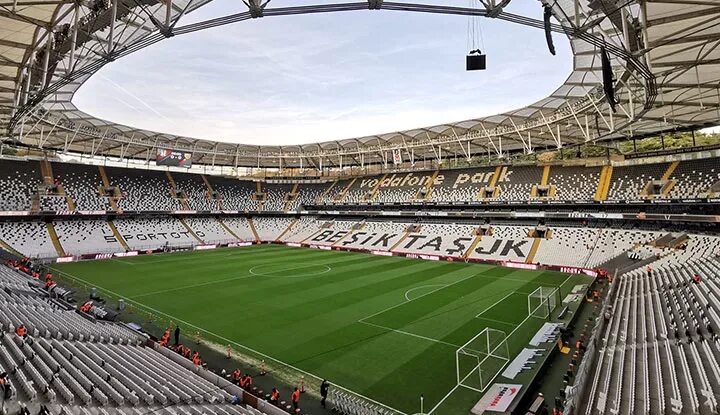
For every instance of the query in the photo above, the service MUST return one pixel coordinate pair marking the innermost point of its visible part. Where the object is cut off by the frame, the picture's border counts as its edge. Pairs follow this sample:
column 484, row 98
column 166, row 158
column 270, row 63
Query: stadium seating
column 196, row 191
column 302, row 229
column 308, row 194
column 372, row 236
column 18, row 181
column 81, row 183
column 694, row 178
column 270, row 228
column 574, row 183
column 240, row 227
column 154, row 233
column 439, row 239
column 660, row 352
column 521, row 180
column 336, row 191
column 210, row 230
column 235, row 194
column 628, row 182
column 76, row 365
column 276, row 196
column 160, row 191
column 80, row 237
column 143, row 190
column 29, row 238
column 461, row 185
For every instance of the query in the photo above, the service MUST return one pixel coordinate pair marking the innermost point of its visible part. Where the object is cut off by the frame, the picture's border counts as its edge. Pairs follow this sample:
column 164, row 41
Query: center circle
column 284, row 271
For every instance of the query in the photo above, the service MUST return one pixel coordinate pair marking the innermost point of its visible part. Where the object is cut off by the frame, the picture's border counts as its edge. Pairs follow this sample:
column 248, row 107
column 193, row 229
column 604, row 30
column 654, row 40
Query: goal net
column 543, row 301
column 481, row 359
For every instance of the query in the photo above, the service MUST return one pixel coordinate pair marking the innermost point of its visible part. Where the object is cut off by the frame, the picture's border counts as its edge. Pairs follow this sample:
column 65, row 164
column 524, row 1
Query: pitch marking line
column 269, row 274
column 495, row 303
column 232, row 342
column 416, row 298
column 496, row 321
column 407, row 333
column 185, row 287
column 407, row 293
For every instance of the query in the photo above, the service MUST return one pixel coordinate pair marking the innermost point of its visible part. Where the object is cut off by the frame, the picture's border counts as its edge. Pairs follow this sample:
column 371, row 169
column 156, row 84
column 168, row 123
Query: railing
column 582, row 377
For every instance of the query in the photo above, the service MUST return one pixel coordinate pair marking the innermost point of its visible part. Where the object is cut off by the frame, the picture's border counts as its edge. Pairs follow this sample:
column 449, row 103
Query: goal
column 481, row 359
column 543, row 301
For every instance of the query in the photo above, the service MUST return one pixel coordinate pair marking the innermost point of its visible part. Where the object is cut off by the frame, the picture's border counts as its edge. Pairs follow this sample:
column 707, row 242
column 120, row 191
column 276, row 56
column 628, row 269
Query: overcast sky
column 301, row 79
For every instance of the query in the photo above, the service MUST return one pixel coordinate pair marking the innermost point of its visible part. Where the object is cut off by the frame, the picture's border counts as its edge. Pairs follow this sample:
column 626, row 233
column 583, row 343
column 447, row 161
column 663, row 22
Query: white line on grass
column 231, row 342
column 269, row 274
column 390, row 329
column 416, row 298
column 407, row 293
column 122, row 262
column 495, row 303
column 184, row 287
column 443, row 399
column 495, row 321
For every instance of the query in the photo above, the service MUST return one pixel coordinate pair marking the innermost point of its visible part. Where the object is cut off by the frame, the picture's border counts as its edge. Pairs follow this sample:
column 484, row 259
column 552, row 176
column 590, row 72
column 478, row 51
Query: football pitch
column 383, row 327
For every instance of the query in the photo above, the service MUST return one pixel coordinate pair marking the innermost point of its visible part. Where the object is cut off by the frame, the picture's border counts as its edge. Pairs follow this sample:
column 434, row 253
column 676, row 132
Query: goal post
column 481, row 359
column 543, row 301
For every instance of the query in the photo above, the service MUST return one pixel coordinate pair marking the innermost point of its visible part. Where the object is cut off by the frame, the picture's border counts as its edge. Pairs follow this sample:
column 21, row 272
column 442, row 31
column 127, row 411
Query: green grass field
column 383, row 327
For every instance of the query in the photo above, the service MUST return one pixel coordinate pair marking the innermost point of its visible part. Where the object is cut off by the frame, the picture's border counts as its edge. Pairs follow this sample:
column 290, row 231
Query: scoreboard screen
column 168, row 157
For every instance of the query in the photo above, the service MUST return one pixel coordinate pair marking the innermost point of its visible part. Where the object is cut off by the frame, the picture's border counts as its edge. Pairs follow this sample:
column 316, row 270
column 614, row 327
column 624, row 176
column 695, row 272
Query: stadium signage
column 481, row 177
column 63, row 259
column 239, row 244
column 504, row 246
column 421, row 242
column 175, row 158
column 501, row 395
column 205, row 247
column 422, row 256
column 519, row 265
column 408, row 180
column 159, row 236
column 126, row 254
column 382, row 253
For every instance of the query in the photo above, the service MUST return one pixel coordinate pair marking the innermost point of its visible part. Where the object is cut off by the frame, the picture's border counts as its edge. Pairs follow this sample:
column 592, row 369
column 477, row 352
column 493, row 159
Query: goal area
column 481, row 359
column 543, row 301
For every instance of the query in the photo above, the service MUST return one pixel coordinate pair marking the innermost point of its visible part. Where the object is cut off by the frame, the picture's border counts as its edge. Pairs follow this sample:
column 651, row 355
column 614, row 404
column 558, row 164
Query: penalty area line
column 495, row 303
column 407, row 333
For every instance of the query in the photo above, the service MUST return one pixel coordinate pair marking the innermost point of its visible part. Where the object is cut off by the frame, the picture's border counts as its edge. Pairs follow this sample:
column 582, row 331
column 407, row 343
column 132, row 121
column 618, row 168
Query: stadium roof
column 665, row 56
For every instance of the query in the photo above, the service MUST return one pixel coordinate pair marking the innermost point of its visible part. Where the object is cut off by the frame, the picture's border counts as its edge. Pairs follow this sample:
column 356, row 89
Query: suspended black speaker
column 608, row 84
column 547, row 13
column 476, row 63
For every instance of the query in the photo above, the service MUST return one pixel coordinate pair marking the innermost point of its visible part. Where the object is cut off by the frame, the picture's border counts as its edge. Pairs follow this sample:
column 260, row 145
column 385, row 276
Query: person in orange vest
column 275, row 397
column 196, row 359
column 85, row 308
column 246, row 382
column 296, row 399
column 165, row 338
column 236, row 375
column 21, row 330
column 696, row 278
